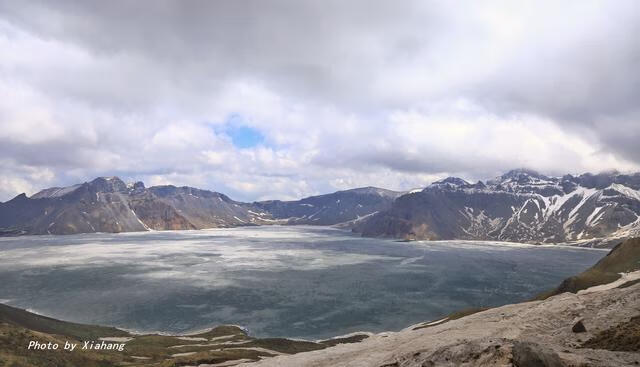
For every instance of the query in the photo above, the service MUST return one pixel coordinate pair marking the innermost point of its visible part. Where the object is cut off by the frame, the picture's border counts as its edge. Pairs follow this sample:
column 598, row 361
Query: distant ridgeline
column 520, row 206
column 110, row 205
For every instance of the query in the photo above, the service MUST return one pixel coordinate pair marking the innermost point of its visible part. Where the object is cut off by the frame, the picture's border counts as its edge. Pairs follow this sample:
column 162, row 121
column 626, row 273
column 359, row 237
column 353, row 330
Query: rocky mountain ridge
column 519, row 206
column 107, row 204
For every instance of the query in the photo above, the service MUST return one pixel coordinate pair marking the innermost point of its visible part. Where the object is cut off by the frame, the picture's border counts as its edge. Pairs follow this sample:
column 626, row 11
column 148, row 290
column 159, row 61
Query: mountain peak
column 521, row 176
column 519, row 173
column 371, row 190
column 19, row 197
column 454, row 181
column 108, row 184
column 108, row 179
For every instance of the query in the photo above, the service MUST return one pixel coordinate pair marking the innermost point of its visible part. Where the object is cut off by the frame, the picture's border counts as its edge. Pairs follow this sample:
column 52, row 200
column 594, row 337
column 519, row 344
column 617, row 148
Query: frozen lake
column 306, row 282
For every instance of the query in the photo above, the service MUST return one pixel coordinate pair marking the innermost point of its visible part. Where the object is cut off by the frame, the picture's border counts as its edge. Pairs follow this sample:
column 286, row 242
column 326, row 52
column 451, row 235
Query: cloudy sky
column 282, row 99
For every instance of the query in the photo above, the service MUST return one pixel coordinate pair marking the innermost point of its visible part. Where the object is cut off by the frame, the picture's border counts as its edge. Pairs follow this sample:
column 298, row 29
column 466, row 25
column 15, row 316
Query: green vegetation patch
column 219, row 331
column 213, row 357
column 284, row 345
column 629, row 283
column 28, row 320
column 14, row 353
column 623, row 258
column 346, row 340
column 452, row 316
column 220, row 344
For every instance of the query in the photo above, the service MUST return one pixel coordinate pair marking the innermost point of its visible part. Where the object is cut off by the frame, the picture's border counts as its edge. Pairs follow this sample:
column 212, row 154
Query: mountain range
column 520, row 205
column 107, row 204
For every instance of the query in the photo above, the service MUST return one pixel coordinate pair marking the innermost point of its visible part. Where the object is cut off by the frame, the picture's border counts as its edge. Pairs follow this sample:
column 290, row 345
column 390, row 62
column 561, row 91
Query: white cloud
column 396, row 96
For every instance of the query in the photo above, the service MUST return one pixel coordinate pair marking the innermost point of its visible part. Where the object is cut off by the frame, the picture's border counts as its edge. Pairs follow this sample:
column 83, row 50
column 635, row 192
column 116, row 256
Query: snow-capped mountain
column 520, row 205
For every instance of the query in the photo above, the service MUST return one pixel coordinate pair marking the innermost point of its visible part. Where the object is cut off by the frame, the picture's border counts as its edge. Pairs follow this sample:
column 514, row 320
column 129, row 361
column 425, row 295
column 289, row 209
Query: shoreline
column 569, row 245
column 500, row 335
column 574, row 244
column 364, row 327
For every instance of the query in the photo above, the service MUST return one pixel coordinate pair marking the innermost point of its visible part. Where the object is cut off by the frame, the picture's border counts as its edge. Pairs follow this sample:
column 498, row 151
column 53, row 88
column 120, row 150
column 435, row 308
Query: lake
column 277, row 281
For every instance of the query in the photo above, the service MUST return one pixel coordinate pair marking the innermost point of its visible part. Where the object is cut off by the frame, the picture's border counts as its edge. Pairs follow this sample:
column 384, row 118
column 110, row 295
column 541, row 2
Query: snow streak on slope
column 520, row 205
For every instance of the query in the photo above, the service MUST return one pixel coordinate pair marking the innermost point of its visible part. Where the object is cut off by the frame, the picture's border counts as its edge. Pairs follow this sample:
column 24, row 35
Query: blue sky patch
column 242, row 136
column 245, row 137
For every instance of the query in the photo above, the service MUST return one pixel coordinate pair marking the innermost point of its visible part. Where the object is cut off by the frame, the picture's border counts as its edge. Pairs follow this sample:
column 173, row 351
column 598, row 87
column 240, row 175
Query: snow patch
column 139, row 221
column 624, row 277
column 626, row 191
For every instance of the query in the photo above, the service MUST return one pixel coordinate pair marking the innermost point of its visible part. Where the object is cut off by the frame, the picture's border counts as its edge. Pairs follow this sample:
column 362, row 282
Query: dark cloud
column 328, row 49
